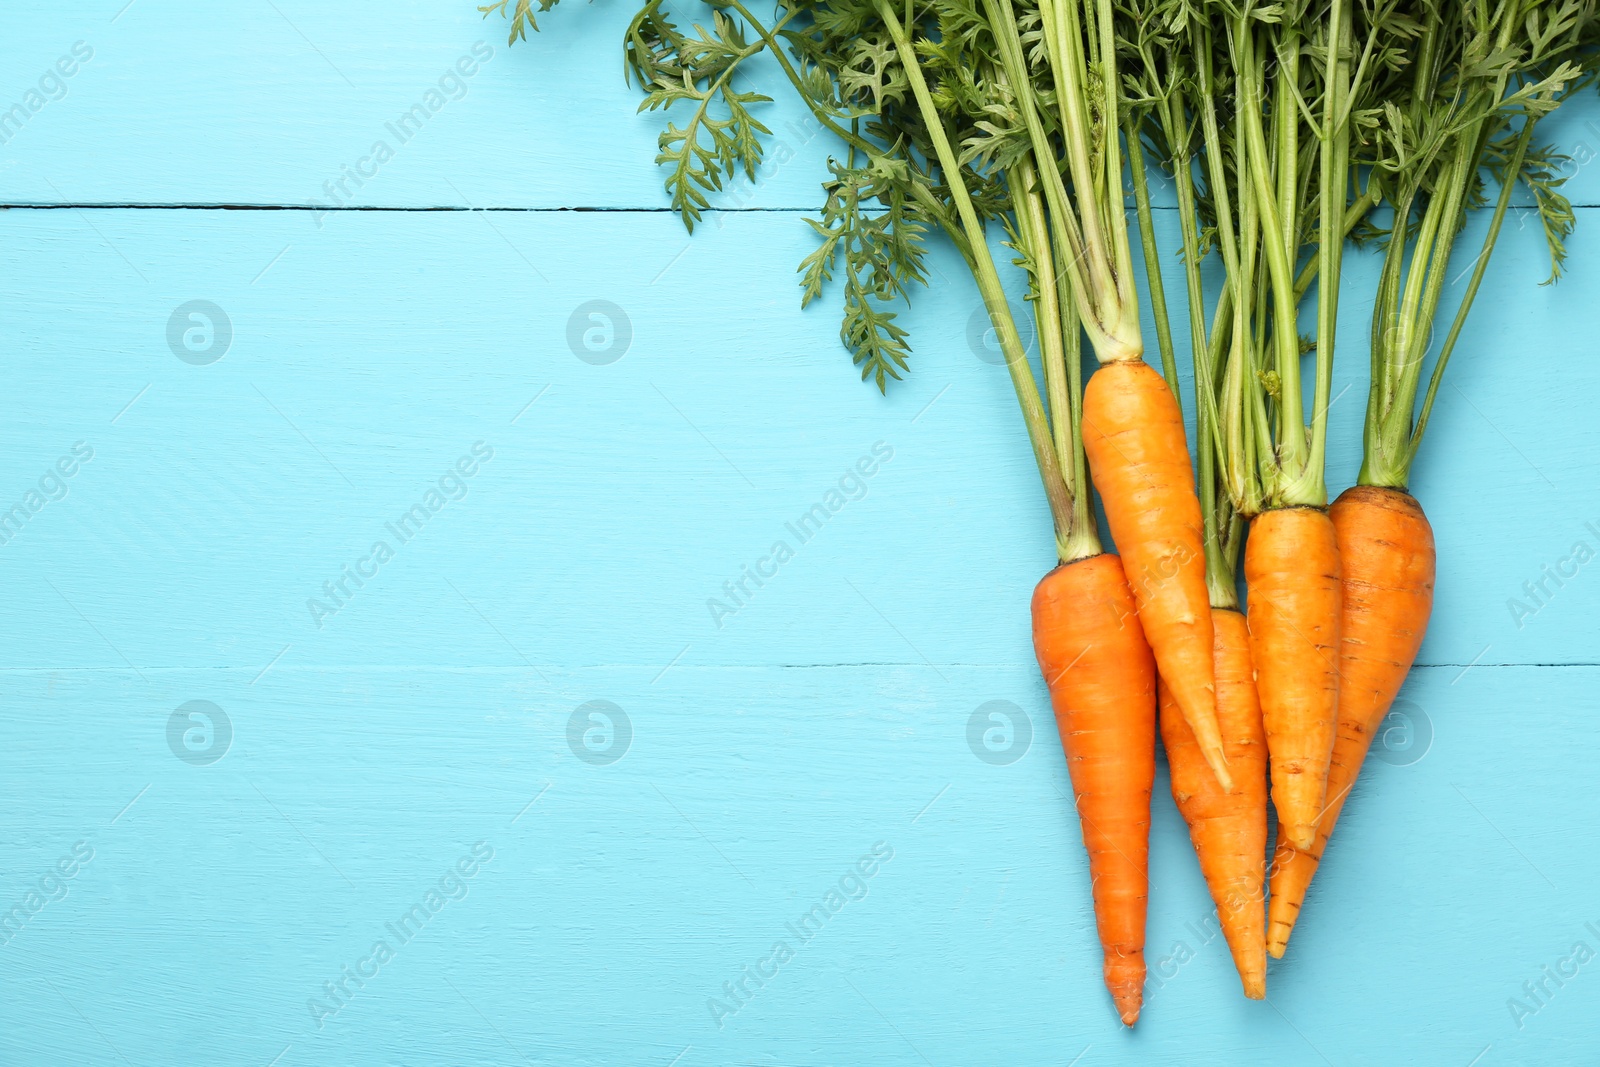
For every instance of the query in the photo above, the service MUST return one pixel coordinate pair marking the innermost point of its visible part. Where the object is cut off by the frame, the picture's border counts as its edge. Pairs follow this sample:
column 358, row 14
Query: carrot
column 1291, row 566
column 1227, row 823
column 1383, row 536
column 1386, row 549
column 1233, row 96
column 1133, row 434
column 1263, row 178
column 1228, row 826
column 1102, row 680
column 1087, row 633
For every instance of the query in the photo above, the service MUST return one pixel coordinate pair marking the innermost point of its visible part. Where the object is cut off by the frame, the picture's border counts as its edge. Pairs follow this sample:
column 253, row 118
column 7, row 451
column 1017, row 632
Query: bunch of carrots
column 1287, row 129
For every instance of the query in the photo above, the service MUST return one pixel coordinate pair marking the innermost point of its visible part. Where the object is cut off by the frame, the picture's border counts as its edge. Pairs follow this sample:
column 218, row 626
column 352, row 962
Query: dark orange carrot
column 1102, row 680
column 1291, row 568
column 1133, row 434
column 1386, row 550
column 1228, row 827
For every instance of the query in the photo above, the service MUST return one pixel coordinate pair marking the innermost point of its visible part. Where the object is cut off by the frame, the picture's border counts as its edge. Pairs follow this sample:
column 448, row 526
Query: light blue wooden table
column 403, row 745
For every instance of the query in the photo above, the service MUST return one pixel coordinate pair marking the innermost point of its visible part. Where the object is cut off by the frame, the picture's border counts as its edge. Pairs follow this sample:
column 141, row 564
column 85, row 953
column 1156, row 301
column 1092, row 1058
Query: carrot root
column 1139, row 460
column 1291, row 564
column 1388, row 558
column 1102, row 683
column 1228, row 827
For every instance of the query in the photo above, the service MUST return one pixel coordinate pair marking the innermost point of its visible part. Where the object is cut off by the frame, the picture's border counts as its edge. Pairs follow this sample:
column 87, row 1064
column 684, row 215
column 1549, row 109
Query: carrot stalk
column 1228, row 826
column 1102, row 680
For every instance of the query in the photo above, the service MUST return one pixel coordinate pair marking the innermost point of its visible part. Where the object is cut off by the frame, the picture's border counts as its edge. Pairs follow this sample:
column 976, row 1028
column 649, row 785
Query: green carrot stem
column 1481, row 264
column 1289, row 481
column 1334, row 179
column 1152, row 261
column 1033, row 231
column 1096, row 227
column 1353, row 214
column 1071, row 543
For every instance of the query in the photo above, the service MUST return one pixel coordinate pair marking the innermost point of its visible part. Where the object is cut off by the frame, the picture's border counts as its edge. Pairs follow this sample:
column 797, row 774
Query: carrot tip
column 1303, row 837
column 1255, row 987
column 1128, row 1005
column 1276, row 946
column 1220, row 769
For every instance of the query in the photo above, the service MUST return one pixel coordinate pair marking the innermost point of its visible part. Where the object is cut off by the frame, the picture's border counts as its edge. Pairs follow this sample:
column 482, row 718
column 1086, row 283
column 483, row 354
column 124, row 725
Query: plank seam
column 577, row 209
column 460, row 667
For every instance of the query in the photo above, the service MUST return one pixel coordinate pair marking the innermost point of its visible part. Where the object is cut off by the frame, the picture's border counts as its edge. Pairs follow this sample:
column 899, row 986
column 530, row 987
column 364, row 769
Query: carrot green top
column 1252, row 109
column 1319, row 114
column 1482, row 76
column 1285, row 122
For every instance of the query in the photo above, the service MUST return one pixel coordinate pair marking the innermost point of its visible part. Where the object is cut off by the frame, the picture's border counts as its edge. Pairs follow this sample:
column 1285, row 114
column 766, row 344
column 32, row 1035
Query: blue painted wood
column 265, row 103
column 190, row 509
column 624, row 896
column 363, row 364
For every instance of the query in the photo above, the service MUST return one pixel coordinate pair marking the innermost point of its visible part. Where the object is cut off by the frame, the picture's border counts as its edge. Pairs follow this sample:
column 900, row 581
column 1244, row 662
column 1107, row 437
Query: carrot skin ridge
column 1102, row 680
column 1139, row 461
column 1387, row 553
column 1228, row 827
column 1291, row 566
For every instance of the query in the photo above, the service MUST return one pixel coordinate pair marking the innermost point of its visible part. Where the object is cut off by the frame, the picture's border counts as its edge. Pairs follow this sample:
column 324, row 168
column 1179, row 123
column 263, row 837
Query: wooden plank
column 366, row 361
column 266, row 103
column 621, row 896
column 188, row 510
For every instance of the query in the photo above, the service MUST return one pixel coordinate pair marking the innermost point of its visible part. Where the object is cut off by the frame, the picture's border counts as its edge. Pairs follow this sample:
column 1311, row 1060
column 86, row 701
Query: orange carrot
column 1291, row 567
column 1228, row 827
column 1102, row 681
column 1386, row 550
column 1133, row 434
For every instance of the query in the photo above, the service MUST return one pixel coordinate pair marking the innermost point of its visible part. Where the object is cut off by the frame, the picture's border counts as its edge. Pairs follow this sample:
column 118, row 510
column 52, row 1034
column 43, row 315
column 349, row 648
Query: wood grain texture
column 771, row 746
column 365, row 362
column 264, row 103
column 618, row 904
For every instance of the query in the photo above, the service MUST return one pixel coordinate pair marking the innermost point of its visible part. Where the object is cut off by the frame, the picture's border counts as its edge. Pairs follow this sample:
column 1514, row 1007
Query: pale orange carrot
column 1133, row 434
column 1228, row 826
column 1291, row 567
column 1386, row 551
column 1102, row 681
